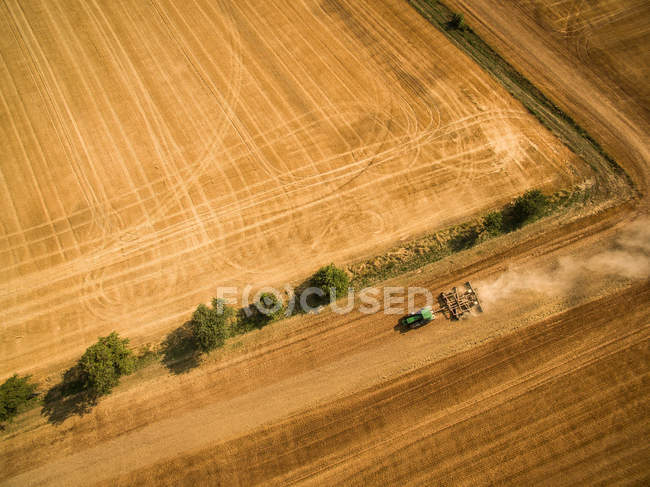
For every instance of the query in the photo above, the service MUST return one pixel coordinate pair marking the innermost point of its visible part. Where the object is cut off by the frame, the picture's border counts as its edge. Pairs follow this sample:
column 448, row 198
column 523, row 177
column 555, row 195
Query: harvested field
column 608, row 36
column 474, row 418
column 541, row 384
column 590, row 57
column 153, row 152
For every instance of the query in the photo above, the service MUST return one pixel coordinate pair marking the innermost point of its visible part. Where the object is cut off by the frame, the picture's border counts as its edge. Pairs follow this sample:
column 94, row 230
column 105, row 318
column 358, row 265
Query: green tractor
column 452, row 304
column 418, row 319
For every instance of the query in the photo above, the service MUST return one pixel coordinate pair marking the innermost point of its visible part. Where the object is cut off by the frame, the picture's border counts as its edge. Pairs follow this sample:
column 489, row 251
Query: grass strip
column 548, row 113
column 435, row 246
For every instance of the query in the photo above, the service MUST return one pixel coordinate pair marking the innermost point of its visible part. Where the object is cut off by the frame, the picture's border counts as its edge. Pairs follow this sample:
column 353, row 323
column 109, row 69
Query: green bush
column 493, row 223
column 103, row 363
column 15, row 393
column 269, row 308
column 334, row 282
column 457, row 21
column 526, row 208
column 266, row 309
column 210, row 325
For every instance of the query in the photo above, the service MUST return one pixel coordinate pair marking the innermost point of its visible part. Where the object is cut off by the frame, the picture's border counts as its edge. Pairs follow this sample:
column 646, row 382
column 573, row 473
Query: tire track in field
column 456, row 126
column 404, row 138
column 53, row 98
column 390, row 421
column 227, row 109
column 463, row 412
column 74, row 50
column 176, row 194
column 17, row 36
column 271, row 171
column 162, row 279
column 388, row 153
column 7, row 191
column 104, row 258
column 153, row 182
column 163, row 132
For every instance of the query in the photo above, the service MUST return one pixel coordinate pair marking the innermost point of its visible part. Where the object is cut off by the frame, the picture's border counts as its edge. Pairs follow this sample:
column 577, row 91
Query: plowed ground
column 555, row 404
column 348, row 399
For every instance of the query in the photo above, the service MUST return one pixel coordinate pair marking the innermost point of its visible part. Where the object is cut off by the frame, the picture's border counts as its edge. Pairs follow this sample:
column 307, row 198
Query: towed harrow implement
column 452, row 304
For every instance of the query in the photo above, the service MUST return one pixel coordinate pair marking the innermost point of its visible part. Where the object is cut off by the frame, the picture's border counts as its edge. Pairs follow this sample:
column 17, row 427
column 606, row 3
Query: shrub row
column 525, row 209
column 102, row 365
column 212, row 325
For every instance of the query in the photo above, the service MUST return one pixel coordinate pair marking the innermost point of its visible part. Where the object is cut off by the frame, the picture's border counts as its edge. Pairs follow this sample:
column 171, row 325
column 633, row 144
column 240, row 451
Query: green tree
column 493, row 223
column 334, row 282
column 103, row 363
column 15, row 393
column 266, row 309
column 210, row 325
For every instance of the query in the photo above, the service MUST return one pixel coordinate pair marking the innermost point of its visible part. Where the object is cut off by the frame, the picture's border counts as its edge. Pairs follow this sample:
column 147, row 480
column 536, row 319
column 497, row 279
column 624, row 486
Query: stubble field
column 158, row 150
column 154, row 152
column 590, row 57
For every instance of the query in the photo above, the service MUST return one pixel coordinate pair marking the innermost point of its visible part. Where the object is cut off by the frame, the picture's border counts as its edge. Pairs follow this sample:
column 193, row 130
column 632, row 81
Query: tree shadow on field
column 67, row 398
column 179, row 351
column 312, row 301
column 466, row 238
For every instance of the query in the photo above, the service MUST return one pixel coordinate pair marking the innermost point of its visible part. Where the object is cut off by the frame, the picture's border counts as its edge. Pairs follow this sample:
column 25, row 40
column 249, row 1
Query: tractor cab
column 418, row 319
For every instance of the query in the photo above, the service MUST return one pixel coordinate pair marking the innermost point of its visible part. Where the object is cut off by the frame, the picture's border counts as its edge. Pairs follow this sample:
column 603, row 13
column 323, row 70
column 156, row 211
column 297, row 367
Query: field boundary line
column 565, row 128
